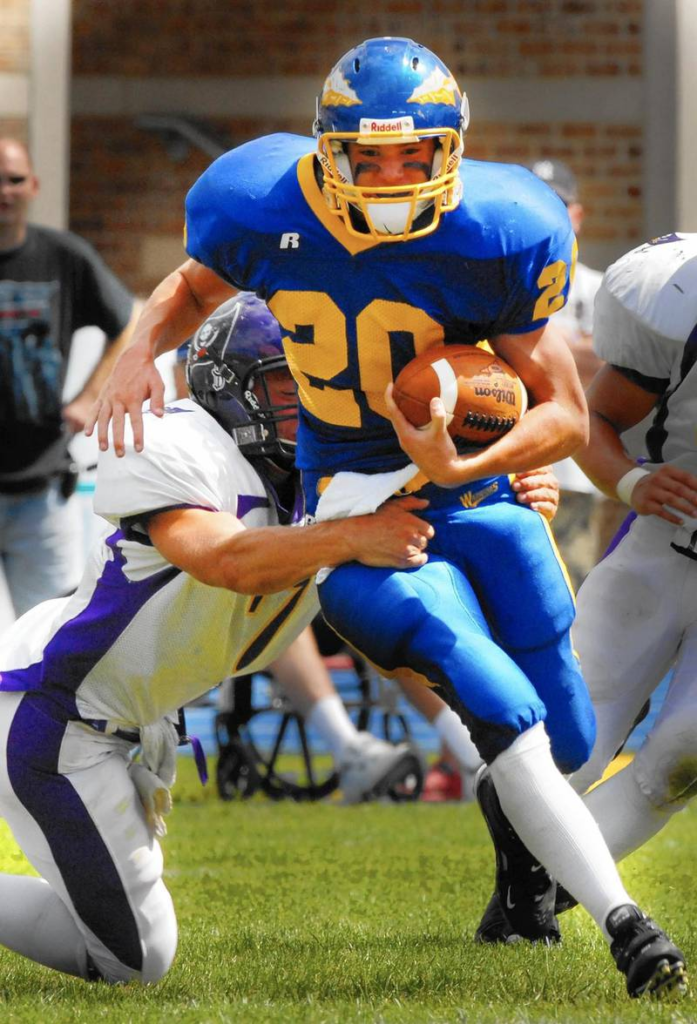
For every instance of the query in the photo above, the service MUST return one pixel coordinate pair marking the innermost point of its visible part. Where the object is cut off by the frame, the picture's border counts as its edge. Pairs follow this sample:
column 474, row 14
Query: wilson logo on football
column 500, row 394
column 483, row 397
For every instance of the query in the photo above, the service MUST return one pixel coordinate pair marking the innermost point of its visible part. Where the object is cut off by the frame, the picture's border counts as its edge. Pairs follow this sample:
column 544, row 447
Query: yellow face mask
column 389, row 212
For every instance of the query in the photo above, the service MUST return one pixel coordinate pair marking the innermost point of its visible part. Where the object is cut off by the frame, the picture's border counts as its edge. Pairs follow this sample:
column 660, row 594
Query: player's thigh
column 666, row 764
column 43, row 548
column 85, row 833
column 627, row 633
column 428, row 621
column 509, row 555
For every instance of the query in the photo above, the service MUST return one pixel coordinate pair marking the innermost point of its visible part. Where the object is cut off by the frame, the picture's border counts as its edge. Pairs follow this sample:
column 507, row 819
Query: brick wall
column 127, row 194
column 14, row 36
column 14, row 61
column 235, row 37
column 607, row 160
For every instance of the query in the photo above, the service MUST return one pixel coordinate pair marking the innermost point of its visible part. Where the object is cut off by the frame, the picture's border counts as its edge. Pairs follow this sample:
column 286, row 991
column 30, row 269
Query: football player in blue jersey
column 371, row 245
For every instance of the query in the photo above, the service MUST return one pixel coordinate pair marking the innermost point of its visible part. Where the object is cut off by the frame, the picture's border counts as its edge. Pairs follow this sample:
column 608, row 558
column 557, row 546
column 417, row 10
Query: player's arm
column 77, row 412
column 174, row 311
column 581, row 347
column 555, row 425
column 615, row 404
column 217, row 549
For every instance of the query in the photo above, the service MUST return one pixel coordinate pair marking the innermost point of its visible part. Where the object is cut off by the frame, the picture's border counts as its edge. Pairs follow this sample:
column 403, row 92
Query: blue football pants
column 486, row 621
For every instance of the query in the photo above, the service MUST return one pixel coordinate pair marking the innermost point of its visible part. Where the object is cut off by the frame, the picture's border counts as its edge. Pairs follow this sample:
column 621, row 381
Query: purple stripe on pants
column 79, row 851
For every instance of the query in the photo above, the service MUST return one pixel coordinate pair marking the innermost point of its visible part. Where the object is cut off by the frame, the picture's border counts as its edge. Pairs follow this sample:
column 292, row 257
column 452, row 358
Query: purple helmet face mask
column 228, row 360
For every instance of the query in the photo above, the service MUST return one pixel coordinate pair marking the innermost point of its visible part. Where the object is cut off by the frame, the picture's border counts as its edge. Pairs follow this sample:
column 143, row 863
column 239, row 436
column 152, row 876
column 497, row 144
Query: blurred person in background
column 51, row 283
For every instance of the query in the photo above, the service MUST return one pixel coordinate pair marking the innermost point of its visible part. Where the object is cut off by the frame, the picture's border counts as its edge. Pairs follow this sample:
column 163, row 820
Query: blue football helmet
column 391, row 91
column 226, row 367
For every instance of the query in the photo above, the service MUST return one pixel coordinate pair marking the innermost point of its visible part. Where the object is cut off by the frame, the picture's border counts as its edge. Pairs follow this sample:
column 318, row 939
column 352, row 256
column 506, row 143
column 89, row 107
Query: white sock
column 36, row 923
column 555, row 824
column 625, row 816
column 330, row 719
column 456, row 736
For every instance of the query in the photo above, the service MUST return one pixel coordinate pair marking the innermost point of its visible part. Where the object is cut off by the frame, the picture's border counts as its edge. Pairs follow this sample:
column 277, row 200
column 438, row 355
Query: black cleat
column 564, row 900
column 495, row 926
column 643, row 952
column 525, row 893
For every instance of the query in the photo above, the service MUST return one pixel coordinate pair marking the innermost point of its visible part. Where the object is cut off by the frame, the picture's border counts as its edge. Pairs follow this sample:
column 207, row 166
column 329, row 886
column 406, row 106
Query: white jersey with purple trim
column 637, row 610
column 646, row 322
column 140, row 637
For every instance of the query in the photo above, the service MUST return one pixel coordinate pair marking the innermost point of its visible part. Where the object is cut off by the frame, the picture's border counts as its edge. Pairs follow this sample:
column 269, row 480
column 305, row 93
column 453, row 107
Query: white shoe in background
column 371, row 767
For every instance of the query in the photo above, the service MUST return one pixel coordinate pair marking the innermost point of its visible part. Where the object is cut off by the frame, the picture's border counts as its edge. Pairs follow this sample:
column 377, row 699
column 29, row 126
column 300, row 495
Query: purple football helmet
column 228, row 356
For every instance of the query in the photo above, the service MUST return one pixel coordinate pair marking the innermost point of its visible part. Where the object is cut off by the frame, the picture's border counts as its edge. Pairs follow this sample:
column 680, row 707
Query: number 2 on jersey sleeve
column 552, row 281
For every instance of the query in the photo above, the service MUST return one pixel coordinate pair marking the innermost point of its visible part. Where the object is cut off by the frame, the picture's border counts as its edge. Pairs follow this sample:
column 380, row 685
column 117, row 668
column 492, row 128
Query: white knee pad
column 158, row 940
column 157, row 960
column 666, row 765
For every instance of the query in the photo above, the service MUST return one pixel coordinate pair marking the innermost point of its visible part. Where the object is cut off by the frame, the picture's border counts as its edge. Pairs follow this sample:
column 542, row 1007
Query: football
column 483, row 396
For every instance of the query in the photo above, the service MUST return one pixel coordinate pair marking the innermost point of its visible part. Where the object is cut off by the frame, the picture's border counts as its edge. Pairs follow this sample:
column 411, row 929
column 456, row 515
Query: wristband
column 626, row 484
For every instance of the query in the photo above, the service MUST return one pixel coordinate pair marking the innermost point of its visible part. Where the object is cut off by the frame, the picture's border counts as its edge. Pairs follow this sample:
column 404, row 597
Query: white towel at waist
column 358, row 494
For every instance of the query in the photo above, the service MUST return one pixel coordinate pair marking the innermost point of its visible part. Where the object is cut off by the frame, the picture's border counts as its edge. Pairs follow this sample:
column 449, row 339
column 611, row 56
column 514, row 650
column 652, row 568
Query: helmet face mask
column 390, row 92
column 228, row 372
column 389, row 211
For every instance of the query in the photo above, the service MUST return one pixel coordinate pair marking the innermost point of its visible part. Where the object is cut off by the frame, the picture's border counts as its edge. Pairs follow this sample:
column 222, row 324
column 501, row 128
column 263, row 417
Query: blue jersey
column 355, row 311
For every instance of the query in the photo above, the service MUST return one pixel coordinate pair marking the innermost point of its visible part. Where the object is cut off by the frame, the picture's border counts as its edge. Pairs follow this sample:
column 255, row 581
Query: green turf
column 322, row 913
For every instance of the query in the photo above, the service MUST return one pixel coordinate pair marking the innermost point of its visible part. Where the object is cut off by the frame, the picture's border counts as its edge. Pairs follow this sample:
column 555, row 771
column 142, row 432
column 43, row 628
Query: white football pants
column 637, row 617
column 67, row 795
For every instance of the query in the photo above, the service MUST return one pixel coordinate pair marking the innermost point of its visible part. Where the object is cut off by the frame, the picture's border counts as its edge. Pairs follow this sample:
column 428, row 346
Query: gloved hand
column 157, row 772
column 158, row 744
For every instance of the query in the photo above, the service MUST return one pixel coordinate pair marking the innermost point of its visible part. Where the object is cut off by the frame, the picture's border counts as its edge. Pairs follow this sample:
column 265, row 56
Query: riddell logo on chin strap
column 290, row 240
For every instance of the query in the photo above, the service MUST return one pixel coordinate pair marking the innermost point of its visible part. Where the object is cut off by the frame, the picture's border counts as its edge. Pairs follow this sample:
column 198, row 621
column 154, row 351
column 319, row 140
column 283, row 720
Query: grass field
column 322, row 913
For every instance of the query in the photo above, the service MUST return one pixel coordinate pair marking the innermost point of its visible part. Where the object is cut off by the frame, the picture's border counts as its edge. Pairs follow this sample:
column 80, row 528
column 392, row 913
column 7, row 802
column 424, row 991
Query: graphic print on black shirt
column 30, row 359
column 50, row 286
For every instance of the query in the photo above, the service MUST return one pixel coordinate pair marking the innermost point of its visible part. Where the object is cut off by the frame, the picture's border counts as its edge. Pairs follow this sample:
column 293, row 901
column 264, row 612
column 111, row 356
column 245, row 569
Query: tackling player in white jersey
column 196, row 582
column 637, row 609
